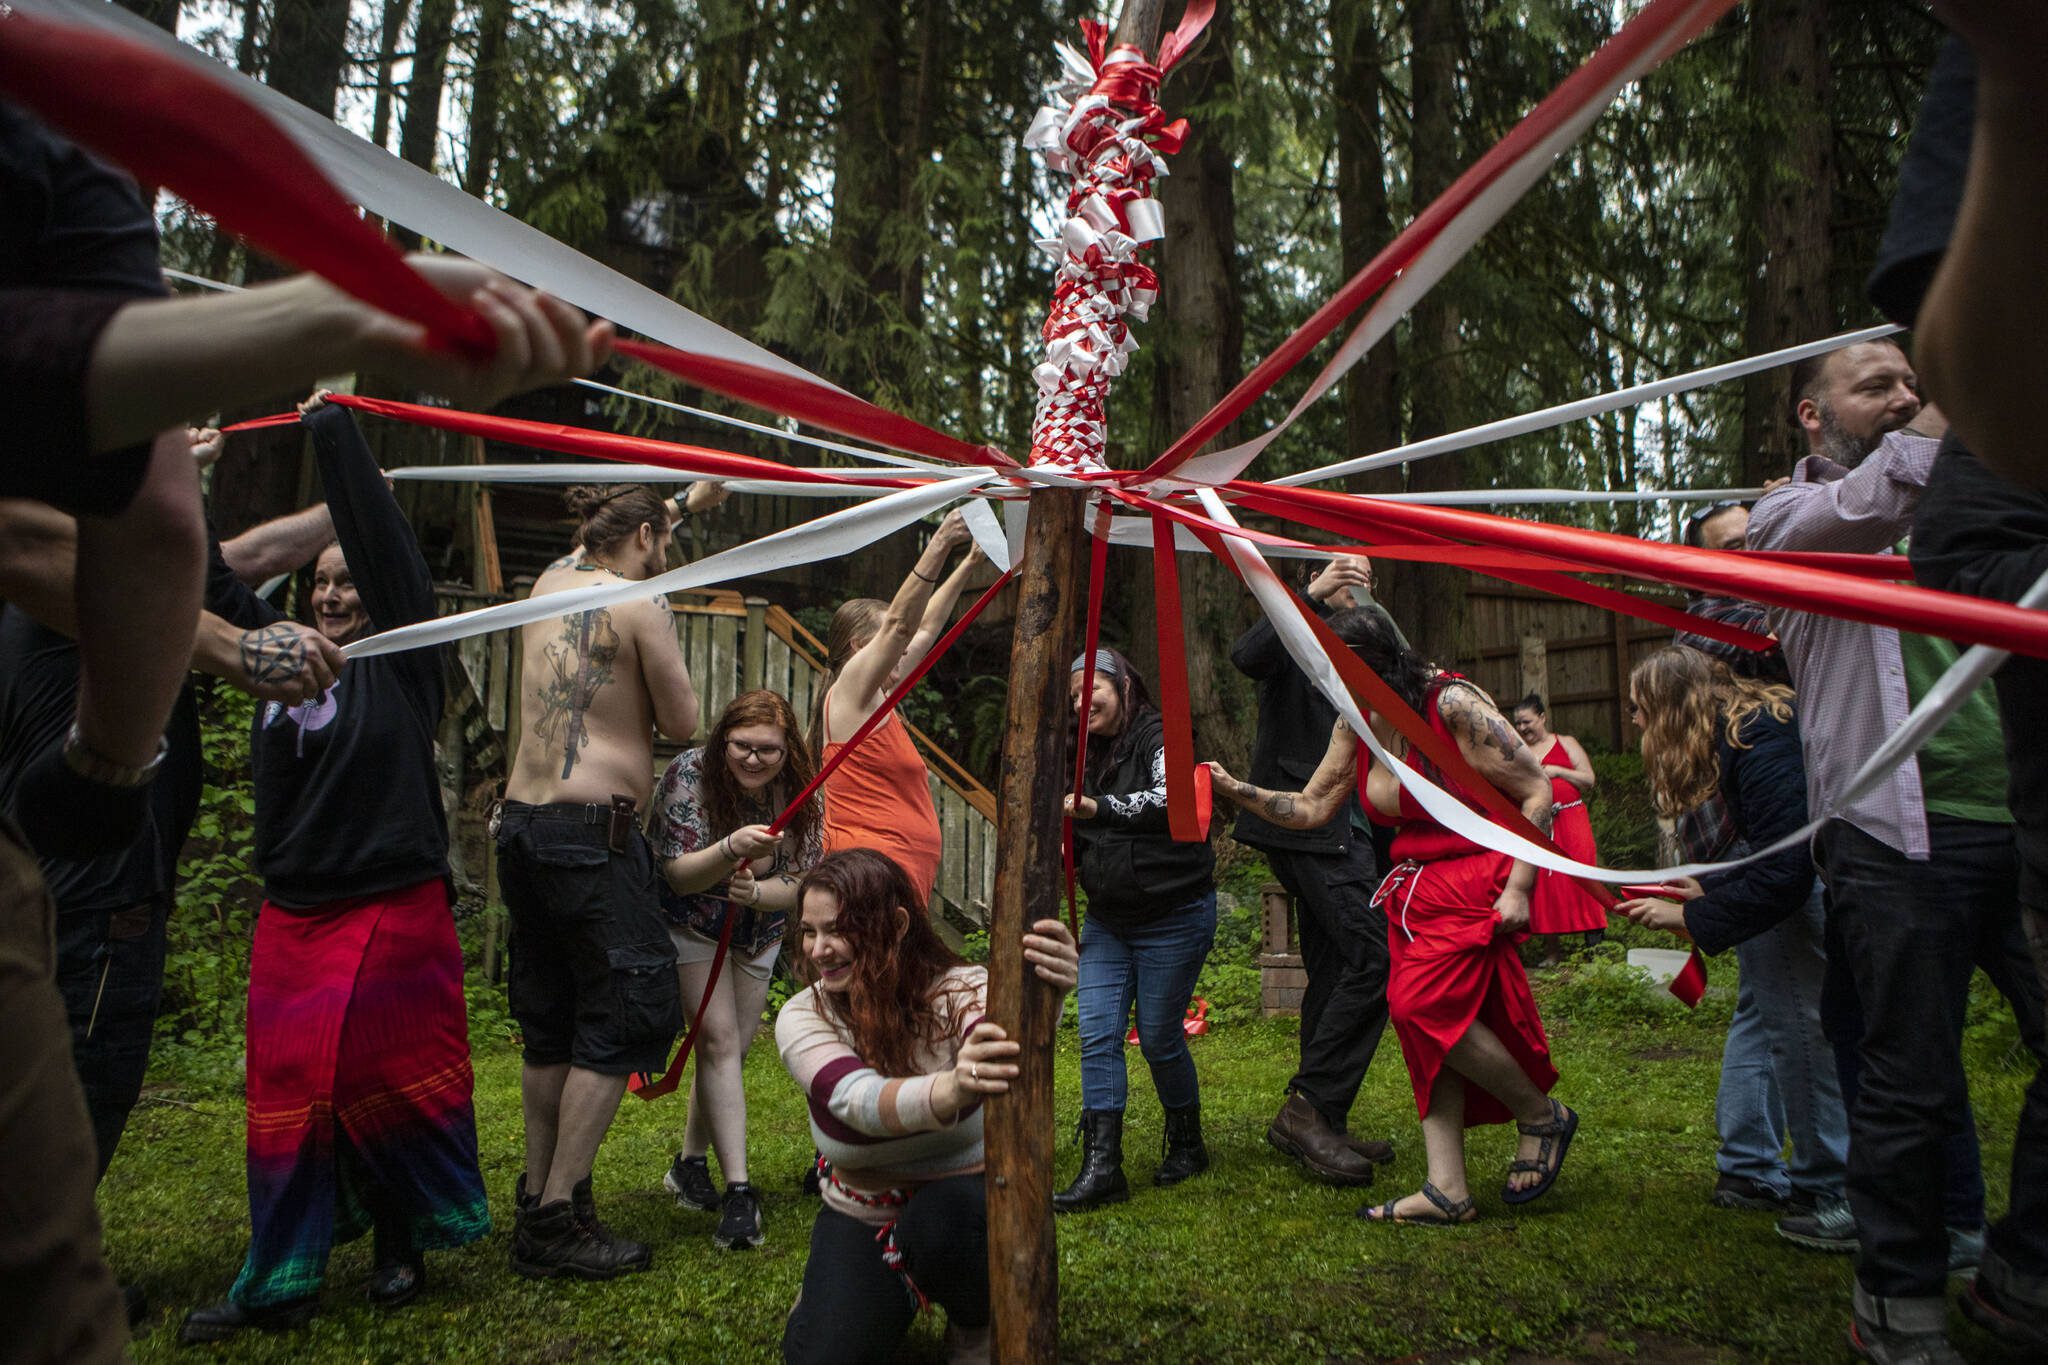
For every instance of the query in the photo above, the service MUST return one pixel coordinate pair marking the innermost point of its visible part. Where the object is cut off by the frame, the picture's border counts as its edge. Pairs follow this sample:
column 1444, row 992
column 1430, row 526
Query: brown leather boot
column 1302, row 1133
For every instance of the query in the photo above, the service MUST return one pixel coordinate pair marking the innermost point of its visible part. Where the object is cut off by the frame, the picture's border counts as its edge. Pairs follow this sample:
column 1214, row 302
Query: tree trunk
column 1791, row 193
column 1429, row 600
column 393, row 27
column 308, row 43
column 250, row 46
column 487, row 97
column 1371, row 393
column 419, row 135
column 1200, row 356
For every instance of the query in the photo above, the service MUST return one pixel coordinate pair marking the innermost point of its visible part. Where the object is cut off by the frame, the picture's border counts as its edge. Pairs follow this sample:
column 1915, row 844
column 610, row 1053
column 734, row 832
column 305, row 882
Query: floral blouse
column 680, row 824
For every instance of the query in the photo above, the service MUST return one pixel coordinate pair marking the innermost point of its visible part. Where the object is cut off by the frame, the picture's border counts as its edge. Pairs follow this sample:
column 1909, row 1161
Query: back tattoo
column 581, row 661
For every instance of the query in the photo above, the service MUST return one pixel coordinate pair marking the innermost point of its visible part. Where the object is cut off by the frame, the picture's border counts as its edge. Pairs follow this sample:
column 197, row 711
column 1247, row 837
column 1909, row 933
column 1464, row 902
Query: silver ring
column 974, row 1070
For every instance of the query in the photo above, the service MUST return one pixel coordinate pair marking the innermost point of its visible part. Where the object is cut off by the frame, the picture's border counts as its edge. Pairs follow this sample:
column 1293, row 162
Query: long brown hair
column 726, row 806
column 1689, row 700
column 853, row 625
column 608, row 513
column 889, row 1012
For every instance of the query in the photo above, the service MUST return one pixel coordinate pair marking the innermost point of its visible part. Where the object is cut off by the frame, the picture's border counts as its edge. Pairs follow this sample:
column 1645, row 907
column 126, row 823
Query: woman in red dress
column 1457, row 995
column 1559, row 904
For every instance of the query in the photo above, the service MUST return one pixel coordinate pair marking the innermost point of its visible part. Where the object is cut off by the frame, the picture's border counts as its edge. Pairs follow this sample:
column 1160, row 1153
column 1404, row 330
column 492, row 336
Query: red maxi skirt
column 1451, row 967
column 1560, row 905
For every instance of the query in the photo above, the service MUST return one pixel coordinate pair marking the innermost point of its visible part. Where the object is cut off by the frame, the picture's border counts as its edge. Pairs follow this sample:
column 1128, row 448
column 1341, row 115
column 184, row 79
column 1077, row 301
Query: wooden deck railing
column 733, row 644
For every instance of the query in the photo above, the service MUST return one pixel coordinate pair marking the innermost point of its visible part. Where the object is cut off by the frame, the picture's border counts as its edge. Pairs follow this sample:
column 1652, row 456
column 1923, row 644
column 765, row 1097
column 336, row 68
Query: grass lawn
column 1250, row 1262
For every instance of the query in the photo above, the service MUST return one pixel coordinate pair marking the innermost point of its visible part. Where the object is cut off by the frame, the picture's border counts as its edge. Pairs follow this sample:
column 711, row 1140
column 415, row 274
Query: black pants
column 856, row 1308
column 1343, row 942
column 1911, row 933
column 110, row 969
column 2019, row 1241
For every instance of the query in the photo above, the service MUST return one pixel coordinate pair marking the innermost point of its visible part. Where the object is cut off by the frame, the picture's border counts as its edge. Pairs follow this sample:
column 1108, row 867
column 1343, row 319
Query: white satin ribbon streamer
column 1941, row 702
column 829, row 537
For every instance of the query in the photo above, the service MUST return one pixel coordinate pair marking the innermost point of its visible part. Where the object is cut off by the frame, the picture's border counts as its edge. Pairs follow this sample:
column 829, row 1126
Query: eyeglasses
column 1696, row 523
column 755, row 753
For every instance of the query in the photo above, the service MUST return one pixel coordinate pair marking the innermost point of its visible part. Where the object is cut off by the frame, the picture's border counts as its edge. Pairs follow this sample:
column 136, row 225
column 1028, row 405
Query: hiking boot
column 1302, row 1133
column 2021, row 1326
column 1101, row 1177
column 1741, row 1192
column 398, row 1271
column 1375, row 1150
column 1830, row 1227
column 550, row 1241
column 225, row 1320
column 689, row 1180
column 1901, row 1331
column 521, row 1200
column 739, row 1218
column 1184, row 1154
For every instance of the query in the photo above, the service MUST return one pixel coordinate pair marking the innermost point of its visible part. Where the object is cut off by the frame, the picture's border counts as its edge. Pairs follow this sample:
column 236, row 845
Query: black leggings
column 855, row 1307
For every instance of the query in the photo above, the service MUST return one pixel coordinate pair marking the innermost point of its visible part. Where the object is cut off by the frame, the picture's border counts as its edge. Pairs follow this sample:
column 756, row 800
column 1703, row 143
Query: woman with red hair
column 718, row 862
column 889, row 1043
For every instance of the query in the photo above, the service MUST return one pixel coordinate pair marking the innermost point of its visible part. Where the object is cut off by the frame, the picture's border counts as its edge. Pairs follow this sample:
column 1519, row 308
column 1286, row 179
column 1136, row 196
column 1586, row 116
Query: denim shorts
column 593, row 974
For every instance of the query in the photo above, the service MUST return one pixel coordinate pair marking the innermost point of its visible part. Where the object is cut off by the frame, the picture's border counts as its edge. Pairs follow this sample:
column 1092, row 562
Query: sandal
column 1453, row 1211
column 1563, row 1123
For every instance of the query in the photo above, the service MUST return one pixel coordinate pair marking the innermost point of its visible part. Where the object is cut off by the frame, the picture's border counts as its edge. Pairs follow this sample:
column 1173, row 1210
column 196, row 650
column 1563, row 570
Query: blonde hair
column 1689, row 701
column 853, row 625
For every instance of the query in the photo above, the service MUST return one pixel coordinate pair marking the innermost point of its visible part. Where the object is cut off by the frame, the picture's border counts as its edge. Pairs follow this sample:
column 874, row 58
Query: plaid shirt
column 1850, row 676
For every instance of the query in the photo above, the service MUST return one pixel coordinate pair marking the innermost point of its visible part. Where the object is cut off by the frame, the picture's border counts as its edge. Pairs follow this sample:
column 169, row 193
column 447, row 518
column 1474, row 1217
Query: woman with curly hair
column 889, row 1043
column 1457, row 995
column 1723, row 758
column 718, row 861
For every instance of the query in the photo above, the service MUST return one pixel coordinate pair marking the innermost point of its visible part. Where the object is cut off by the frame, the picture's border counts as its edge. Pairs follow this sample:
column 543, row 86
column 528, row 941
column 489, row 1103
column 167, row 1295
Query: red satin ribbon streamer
column 649, row 1088
column 1691, row 982
column 276, row 419
column 170, row 124
column 603, row 445
column 1175, row 708
column 1968, row 620
column 808, row 401
column 1098, row 562
column 1658, row 25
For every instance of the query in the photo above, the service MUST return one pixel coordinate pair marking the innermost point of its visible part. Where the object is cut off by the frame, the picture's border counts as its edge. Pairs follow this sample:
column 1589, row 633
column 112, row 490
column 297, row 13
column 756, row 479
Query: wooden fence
column 1576, row 657
column 731, row 644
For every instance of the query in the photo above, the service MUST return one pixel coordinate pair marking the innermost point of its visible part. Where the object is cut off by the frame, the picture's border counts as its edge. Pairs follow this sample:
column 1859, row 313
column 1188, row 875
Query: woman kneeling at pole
column 1457, row 995
column 889, row 1044
column 1151, row 923
column 710, row 831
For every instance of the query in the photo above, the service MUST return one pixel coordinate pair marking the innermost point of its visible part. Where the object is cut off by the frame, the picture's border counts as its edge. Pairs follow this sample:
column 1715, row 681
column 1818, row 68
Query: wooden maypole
column 1023, row 1256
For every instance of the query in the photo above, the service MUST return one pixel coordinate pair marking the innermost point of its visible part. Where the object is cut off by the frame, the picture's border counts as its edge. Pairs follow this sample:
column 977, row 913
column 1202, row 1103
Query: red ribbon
column 1098, row 563
column 1657, row 26
column 1174, row 706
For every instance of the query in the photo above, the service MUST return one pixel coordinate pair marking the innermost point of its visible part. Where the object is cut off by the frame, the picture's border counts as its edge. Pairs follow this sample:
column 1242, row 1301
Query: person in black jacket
column 1330, row 873
column 1151, row 921
column 359, row 1082
column 1723, row 758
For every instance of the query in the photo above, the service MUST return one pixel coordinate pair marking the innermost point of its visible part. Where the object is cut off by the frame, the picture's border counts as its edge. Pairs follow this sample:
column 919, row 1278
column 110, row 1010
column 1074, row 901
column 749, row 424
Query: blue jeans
column 1778, row 1076
column 1154, row 965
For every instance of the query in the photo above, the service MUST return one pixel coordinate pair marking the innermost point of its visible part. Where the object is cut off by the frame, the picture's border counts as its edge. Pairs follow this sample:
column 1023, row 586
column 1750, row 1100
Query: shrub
column 206, row 963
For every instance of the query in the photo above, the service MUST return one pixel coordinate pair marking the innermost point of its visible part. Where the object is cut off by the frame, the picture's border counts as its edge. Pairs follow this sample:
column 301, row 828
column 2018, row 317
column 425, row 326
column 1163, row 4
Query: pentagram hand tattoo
column 273, row 654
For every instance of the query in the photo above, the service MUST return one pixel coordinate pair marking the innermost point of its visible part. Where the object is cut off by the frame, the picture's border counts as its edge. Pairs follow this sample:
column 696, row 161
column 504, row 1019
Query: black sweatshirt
column 1134, row 872
column 347, row 799
column 1765, row 788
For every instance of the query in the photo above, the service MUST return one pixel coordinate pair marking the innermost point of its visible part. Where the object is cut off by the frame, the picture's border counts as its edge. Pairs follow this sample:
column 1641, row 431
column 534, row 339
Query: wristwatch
column 96, row 767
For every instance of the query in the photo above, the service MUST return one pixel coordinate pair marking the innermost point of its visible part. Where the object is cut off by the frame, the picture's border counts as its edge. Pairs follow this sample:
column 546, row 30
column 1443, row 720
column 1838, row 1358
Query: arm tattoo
column 581, row 661
column 1467, row 707
column 1279, row 805
column 273, row 654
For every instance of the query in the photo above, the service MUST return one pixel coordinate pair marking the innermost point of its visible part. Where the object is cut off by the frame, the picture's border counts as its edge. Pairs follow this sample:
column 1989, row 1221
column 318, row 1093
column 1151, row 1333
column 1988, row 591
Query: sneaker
column 1830, row 1227
column 689, row 1180
column 1965, row 1250
column 1901, row 1331
column 1741, row 1192
column 549, row 1241
column 739, row 1218
column 2022, row 1327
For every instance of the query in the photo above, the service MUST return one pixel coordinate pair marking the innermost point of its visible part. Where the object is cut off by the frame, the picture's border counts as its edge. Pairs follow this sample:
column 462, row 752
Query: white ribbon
column 1564, row 413
column 833, row 536
column 1934, row 710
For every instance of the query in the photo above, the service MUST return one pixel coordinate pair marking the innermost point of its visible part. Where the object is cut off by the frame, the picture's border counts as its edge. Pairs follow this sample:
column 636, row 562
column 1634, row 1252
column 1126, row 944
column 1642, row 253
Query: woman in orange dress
column 880, row 798
column 1560, row 905
column 1457, row 995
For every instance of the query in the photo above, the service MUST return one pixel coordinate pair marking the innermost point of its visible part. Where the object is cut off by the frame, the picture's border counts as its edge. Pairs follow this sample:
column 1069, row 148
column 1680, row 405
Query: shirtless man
column 593, row 978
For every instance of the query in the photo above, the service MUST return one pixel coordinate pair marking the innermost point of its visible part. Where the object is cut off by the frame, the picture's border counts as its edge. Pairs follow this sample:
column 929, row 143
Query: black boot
column 549, row 1242
column 398, row 1271
column 1185, row 1155
column 225, row 1320
column 1101, row 1180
